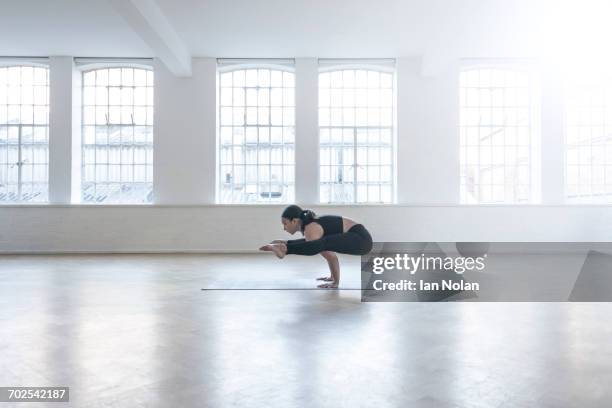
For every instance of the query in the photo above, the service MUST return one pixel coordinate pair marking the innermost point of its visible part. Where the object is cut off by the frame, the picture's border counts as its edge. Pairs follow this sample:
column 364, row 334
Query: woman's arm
column 314, row 231
column 334, row 265
column 295, row 241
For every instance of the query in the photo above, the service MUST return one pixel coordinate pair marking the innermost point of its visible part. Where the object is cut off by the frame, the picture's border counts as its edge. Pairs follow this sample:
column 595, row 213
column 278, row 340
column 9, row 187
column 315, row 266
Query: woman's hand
column 279, row 241
column 280, row 250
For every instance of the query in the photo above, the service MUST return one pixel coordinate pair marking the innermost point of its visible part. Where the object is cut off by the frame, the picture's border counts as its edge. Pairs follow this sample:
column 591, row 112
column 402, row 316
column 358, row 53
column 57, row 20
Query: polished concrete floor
column 137, row 331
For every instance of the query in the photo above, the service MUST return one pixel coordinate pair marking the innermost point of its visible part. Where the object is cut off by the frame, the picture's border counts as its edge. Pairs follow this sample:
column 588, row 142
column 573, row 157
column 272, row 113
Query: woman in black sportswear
column 323, row 235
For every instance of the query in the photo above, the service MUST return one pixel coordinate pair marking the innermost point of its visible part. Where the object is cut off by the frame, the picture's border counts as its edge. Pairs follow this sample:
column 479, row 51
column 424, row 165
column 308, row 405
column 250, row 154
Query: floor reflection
column 136, row 330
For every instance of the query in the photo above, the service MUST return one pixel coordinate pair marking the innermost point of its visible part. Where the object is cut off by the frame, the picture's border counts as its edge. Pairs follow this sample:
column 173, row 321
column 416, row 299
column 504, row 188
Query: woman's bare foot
column 280, row 250
column 326, row 278
column 332, row 285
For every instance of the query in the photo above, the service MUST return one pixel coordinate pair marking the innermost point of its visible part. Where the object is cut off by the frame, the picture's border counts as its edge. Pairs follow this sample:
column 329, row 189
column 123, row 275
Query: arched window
column 24, row 133
column 117, row 136
column 499, row 158
column 356, row 136
column 256, row 135
column 588, row 137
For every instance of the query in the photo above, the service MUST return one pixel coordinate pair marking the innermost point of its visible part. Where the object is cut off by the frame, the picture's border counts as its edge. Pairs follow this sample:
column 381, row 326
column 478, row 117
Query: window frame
column 604, row 83
column 18, row 62
column 386, row 66
column 88, row 65
column 226, row 66
column 529, row 67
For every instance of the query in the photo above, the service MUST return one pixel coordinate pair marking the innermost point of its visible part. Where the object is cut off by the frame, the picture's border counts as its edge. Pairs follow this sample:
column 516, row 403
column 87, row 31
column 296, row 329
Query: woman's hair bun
column 307, row 215
column 293, row 211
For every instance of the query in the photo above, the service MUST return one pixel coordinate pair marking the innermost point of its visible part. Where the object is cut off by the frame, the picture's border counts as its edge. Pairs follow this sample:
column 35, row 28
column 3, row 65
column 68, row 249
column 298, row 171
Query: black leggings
column 356, row 241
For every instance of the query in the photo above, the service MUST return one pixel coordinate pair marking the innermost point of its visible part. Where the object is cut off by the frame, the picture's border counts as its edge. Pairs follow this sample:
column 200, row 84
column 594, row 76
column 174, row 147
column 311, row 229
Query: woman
column 323, row 235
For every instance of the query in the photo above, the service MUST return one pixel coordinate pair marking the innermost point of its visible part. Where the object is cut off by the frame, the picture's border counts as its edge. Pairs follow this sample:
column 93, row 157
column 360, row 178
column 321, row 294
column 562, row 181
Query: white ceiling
column 287, row 28
column 334, row 28
column 66, row 27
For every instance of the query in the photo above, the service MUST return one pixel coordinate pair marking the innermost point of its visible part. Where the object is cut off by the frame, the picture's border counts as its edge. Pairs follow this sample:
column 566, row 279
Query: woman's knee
column 328, row 254
column 366, row 247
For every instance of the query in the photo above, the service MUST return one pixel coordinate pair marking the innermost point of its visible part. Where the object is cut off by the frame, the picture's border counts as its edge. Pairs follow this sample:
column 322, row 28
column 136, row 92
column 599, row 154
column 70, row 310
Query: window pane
column 258, row 114
column 496, row 137
column 24, row 122
column 117, row 165
column 355, row 109
column 588, row 144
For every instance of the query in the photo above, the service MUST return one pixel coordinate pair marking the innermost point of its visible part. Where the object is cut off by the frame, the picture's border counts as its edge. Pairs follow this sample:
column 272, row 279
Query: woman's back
column 333, row 224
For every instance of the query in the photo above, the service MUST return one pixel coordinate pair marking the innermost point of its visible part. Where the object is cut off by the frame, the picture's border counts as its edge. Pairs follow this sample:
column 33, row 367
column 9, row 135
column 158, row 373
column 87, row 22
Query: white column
column 77, row 83
column 552, row 147
column 427, row 133
column 185, row 136
column 444, row 185
column 306, row 131
column 60, row 128
column 408, row 123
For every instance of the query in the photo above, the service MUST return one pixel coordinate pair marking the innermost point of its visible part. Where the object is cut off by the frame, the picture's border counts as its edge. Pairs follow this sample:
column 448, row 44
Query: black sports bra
column 331, row 224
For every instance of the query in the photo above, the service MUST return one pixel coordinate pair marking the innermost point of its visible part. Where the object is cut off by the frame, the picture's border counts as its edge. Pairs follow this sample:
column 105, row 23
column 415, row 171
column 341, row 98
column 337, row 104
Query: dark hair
column 294, row 211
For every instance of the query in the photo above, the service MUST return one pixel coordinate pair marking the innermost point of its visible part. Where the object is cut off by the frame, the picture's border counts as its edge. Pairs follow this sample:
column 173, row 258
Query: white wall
column 427, row 123
column 245, row 228
column 60, row 128
column 185, row 219
column 185, row 135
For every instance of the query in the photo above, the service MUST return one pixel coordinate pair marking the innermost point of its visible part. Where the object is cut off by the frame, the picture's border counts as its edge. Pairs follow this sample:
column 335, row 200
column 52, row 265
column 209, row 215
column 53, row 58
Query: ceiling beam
column 149, row 22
